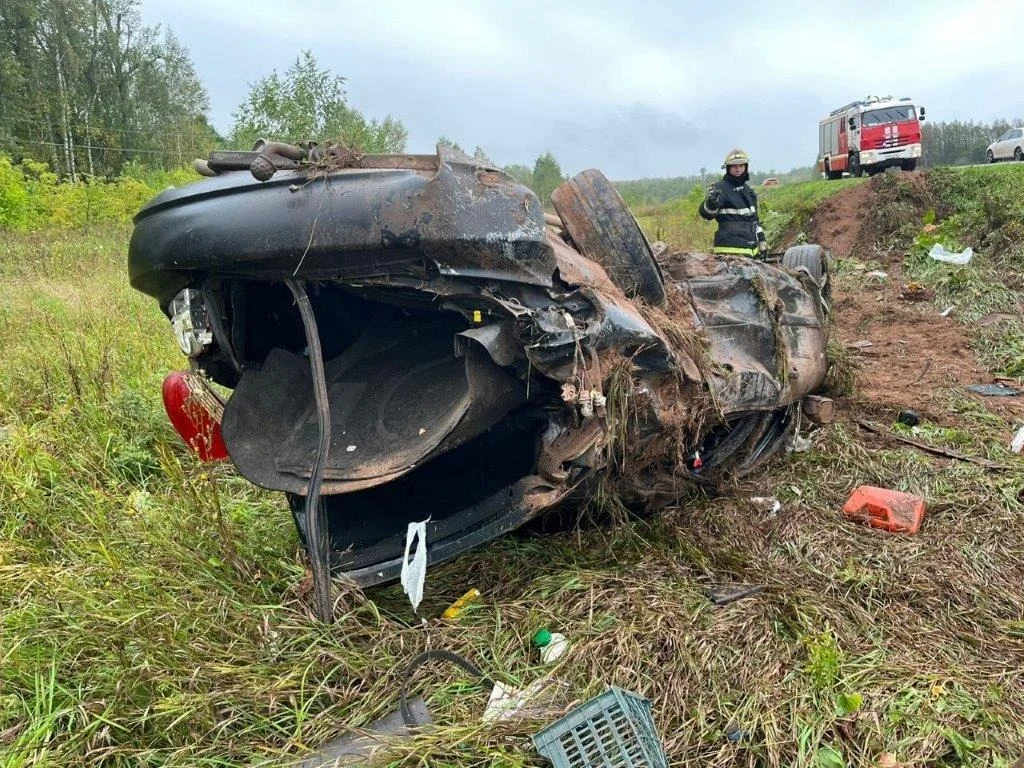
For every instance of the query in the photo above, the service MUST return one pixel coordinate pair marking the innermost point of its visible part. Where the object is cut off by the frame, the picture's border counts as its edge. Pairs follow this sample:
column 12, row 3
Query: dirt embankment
column 908, row 354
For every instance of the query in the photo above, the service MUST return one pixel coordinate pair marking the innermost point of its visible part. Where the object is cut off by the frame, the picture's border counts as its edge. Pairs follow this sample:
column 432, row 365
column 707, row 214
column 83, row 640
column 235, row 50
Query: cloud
column 636, row 141
column 651, row 88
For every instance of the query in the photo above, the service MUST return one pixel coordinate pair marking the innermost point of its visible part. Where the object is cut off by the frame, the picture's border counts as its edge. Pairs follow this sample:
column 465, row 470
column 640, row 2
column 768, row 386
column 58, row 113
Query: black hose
column 315, row 534
column 435, row 655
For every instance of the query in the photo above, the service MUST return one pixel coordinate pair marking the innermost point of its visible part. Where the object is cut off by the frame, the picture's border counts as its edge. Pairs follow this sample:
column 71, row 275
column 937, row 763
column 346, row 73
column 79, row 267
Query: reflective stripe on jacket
column 739, row 230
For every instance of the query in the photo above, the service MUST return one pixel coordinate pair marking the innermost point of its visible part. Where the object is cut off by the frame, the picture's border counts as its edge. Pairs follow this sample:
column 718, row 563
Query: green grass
column 983, row 208
column 155, row 614
column 785, row 209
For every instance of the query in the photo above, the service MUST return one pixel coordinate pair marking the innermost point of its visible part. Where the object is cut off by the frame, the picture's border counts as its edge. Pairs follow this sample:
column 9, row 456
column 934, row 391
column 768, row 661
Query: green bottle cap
column 542, row 638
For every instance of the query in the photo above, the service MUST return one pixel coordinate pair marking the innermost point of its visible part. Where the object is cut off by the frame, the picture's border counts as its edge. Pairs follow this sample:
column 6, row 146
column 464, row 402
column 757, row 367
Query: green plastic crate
column 614, row 730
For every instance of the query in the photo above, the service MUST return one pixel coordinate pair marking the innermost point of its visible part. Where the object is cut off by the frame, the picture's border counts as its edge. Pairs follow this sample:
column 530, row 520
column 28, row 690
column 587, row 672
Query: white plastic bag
column 414, row 572
column 1017, row 444
column 939, row 253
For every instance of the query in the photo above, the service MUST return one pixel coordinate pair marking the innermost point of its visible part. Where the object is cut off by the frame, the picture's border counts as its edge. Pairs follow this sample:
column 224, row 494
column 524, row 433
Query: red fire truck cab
column 870, row 135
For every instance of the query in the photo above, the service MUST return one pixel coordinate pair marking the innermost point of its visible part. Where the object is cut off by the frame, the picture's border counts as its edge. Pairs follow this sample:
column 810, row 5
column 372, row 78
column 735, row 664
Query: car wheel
column 1018, row 155
column 605, row 231
column 855, row 169
column 990, row 156
column 813, row 259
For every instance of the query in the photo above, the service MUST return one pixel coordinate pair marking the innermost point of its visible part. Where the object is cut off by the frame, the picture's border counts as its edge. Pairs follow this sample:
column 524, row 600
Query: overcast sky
column 656, row 88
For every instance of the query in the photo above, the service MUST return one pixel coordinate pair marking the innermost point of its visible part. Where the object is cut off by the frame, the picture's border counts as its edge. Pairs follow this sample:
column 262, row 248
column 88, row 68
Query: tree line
column 960, row 143
column 661, row 190
column 86, row 87
column 89, row 89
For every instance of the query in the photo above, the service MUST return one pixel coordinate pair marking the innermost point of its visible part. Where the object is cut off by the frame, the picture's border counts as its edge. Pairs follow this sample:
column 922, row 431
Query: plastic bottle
column 453, row 610
column 553, row 645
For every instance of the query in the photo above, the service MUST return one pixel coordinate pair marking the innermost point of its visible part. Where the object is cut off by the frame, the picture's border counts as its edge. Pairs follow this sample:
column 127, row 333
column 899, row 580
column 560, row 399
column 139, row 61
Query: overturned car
column 411, row 336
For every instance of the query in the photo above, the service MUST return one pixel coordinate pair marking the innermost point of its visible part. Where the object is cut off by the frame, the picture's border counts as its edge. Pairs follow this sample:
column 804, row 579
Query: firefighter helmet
column 736, row 157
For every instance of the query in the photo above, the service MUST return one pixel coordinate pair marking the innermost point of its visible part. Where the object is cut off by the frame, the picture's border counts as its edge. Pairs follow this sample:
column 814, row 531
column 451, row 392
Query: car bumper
column 889, row 156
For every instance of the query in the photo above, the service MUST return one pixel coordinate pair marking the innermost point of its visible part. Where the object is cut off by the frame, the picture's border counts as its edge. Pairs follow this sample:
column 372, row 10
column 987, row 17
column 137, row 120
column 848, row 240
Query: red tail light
column 195, row 410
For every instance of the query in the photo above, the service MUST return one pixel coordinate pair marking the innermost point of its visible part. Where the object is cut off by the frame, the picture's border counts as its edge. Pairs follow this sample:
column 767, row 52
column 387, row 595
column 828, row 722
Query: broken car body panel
column 479, row 368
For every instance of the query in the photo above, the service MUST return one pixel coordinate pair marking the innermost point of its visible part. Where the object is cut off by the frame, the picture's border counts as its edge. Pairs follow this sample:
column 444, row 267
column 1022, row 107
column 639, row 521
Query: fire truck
column 870, row 136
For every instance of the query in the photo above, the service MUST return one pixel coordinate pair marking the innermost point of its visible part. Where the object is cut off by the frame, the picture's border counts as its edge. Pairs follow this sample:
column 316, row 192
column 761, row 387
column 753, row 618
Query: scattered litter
column 614, row 729
column 798, row 444
column 422, row 430
column 354, row 748
column 723, row 594
column 734, row 734
column 862, row 344
column 994, row 318
column 947, row 311
column 909, row 418
column 995, row 390
column 553, row 645
column 795, row 443
column 890, row 511
column 350, row 448
column 939, row 253
column 950, row 454
column 878, row 273
column 916, row 292
column 924, row 369
column 768, row 504
column 456, row 608
column 507, row 702
column 414, row 572
column 1017, row 444
column 820, row 410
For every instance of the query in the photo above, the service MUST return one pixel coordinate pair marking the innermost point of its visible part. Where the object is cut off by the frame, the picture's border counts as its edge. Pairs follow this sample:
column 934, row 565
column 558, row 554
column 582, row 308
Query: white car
column 1008, row 146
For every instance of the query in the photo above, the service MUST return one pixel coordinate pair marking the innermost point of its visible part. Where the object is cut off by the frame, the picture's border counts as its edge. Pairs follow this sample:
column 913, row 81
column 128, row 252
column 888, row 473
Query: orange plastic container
column 889, row 510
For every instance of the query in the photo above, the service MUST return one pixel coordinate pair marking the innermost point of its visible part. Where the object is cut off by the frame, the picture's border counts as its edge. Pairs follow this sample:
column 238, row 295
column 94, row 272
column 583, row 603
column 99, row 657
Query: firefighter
column 733, row 204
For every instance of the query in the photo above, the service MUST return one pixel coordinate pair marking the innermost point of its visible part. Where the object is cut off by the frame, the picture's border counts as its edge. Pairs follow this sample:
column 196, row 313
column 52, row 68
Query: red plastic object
column 891, row 511
column 195, row 410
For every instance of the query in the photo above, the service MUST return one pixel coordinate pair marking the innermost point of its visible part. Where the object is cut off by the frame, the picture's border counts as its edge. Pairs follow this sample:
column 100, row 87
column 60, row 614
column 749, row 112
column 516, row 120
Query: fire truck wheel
column 910, row 165
column 855, row 169
column 605, row 231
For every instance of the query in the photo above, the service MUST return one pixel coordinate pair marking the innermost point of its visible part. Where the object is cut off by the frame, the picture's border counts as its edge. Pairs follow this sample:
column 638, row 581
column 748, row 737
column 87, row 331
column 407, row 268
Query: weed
column 154, row 610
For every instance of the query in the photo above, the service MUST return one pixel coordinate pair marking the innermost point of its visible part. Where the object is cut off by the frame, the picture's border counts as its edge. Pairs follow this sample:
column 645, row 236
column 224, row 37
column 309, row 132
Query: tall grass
column 155, row 612
column 784, row 209
column 33, row 198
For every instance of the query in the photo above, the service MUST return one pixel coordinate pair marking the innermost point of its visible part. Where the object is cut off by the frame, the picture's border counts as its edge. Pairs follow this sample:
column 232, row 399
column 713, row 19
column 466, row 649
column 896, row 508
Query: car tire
column 855, row 169
column 604, row 230
column 813, row 259
column 991, row 157
column 1018, row 154
column 810, row 256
